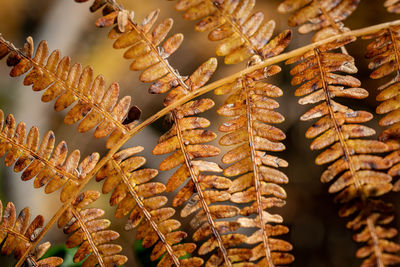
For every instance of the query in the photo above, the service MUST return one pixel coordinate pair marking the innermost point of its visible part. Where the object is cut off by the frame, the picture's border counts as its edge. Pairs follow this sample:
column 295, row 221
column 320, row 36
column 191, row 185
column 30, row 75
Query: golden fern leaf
column 393, row 6
column 17, row 235
column 186, row 140
column 97, row 106
column 135, row 194
column 250, row 109
column 88, row 231
column 384, row 52
column 241, row 32
column 143, row 45
column 323, row 16
column 50, row 164
column 354, row 172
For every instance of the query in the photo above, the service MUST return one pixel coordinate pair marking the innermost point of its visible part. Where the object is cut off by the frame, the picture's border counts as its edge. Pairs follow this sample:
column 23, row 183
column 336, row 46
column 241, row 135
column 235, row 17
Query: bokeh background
column 318, row 235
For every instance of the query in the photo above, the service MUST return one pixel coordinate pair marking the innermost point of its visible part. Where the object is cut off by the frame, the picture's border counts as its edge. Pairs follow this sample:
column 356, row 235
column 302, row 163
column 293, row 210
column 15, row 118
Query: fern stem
column 89, row 237
column 199, row 191
column 348, row 158
column 256, row 174
column 146, row 213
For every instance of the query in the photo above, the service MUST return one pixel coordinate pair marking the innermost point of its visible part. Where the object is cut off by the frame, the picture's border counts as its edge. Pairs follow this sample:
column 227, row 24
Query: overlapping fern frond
column 230, row 212
column 98, row 106
column 242, row 33
column 17, row 234
column 50, row 165
column 315, row 15
column 250, row 108
column 385, row 54
column 354, row 172
column 136, row 195
column 88, row 231
column 392, row 6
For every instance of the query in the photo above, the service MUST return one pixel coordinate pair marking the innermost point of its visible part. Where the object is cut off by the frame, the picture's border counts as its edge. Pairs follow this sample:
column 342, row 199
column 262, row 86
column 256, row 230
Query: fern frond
column 385, row 54
column 186, row 140
column 250, row 109
column 52, row 167
column 17, row 234
column 97, row 106
column 355, row 171
column 323, row 16
column 135, row 194
column 241, row 32
column 393, row 6
column 143, row 44
column 88, row 231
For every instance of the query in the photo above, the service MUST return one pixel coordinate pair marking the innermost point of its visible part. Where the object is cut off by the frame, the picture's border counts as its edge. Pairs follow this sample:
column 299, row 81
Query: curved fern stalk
column 89, row 232
column 50, row 164
column 242, row 34
column 97, row 105
column 186, row 139
column 385, row 54
column 393, row 6
column 17, row 234
column 323, row 16
column 135, row 194
column 250, row 108
column 359, row 180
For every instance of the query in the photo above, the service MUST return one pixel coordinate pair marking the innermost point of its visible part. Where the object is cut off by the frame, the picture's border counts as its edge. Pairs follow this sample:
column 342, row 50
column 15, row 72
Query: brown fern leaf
column 17, row 235
column 323, row 16
column 88, row 231
column 97, row 106
column 393, row 6
column 142, row 43
column 241, row 32
column 135, row 194
column 186, row 139
column 384, row 52
column 51, row 167
column 355, row 171
column 250, row 109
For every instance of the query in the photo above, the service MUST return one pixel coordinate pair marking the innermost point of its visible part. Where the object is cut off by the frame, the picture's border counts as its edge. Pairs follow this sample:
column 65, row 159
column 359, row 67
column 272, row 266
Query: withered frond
column 355, row 172
column 51, row 165
column 17, row 235
column 242, row 33
column 385, row 54
column 250, row 108
column 142, row 41
column 136, row 195
column 318, row 15
column 393, row 6
column 186, row 140
column 88, row 231
column 98, row 106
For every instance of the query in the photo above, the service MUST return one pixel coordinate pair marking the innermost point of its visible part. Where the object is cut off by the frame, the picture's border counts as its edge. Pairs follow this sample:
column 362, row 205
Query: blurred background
column 318, row 235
